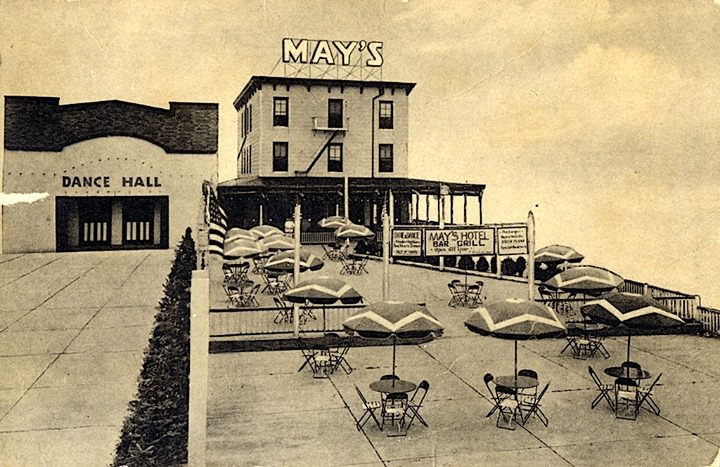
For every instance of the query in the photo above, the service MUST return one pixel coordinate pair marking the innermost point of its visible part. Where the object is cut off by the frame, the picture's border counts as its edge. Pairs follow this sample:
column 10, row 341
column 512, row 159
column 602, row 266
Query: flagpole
column 386, row 256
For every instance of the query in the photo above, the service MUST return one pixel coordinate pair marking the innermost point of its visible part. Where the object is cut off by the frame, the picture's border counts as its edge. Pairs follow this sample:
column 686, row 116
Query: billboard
column 512, row 240
column 465, row 241
column 406, row 242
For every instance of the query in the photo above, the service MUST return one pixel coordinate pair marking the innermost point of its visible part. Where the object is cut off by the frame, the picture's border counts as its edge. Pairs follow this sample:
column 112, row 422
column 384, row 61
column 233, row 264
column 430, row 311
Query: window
column 335, row 113
column 386, row 158
column 386, row 114
column 280, row 111
column 335, row 157
column 249, row 118
column 246, row 160
column 280, row 157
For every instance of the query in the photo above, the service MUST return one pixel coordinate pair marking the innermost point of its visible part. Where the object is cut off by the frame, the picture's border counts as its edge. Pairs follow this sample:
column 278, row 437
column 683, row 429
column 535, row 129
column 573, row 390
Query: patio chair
column 242, row 273
column 533, row 408
column 338, row 359
column 499, row 395
column 348, row 265
column 369, row 408
column 545, row 293
column 393, row 408
column 646, row 393
column 306, row 313
column 234, row 297
column 415, row 403
column 228, row 274
column 472, row 297
column 250, row 299
column 258, row 265
column 456, row 297
column 360, row 265
column 527, row 394
column 284, row 314
column 308, row 355
column 603, row 390
column 626, row 399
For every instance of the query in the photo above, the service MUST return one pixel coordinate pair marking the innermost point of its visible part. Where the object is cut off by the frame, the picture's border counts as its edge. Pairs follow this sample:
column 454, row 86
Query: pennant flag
column 218, row 224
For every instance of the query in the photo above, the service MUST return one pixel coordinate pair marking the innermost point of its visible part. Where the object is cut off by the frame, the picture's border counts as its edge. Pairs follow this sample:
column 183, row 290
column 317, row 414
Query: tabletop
column 388, row 386
column 516, row 382
column 626, row 372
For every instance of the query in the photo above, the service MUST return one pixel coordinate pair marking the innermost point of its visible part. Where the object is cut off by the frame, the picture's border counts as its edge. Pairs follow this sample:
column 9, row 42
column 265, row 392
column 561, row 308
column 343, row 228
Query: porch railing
column 317, row 238
column 230, row 322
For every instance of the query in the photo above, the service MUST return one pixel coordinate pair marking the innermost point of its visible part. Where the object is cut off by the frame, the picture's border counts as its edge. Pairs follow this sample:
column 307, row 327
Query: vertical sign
column 512, row 240
column 407, row 242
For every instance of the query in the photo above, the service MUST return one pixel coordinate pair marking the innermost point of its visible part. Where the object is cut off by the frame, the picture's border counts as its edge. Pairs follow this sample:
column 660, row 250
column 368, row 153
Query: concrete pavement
column 262, row 411
column 73, row 330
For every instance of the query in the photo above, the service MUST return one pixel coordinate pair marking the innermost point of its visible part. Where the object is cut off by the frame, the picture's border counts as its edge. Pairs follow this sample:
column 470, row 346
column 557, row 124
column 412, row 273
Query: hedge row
column 508, row 266
column 155, row 431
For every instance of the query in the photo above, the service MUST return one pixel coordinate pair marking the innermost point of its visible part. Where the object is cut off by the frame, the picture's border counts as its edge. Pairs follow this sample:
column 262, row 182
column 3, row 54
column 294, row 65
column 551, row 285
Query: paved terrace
column 73, row 329
column 262, row 411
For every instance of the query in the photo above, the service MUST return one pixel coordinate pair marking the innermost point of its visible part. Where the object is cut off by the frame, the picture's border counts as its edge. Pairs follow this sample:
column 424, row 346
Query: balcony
column 322, row 124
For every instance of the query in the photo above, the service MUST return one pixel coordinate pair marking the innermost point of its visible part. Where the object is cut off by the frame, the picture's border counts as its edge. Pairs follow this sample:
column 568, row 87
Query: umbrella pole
column 516, row 359
column 628, row 349
column 393, row 363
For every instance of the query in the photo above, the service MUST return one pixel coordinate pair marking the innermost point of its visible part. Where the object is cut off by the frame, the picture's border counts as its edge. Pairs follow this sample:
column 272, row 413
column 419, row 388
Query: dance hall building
column 318, row 138
column 117, row 175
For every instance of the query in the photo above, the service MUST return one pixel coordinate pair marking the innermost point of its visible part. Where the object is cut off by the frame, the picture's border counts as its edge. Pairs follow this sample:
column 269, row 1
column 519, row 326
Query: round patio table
column 627, row 372
column 516, row 382
column 388, row 386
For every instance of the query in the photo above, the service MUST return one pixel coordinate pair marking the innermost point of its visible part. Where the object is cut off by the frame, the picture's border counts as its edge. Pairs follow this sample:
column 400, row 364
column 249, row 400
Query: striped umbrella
column 323, row 291
column 262, row 231
column 278, row 243
column 631, row 310
column 585, row 279
column 285, row 261
column 557, row 254
column 236, row 233
column 353, row 231
column 240, row 248
column 332, row 222
column 517, row 319
column 396, row 320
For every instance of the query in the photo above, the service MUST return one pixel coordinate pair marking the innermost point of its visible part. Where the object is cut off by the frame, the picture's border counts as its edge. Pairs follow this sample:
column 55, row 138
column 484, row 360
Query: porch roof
column 257, row 185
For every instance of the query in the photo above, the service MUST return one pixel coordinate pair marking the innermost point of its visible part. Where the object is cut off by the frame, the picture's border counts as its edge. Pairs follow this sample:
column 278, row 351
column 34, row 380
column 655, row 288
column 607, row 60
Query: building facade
column 117, row 175
column 314, row 139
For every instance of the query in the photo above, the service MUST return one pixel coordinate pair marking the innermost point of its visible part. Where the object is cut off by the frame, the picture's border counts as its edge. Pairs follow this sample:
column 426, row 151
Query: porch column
column 465, row 208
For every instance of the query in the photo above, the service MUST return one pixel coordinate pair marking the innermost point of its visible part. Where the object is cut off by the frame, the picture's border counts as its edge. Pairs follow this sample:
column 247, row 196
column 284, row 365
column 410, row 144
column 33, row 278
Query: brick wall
column 41, row 124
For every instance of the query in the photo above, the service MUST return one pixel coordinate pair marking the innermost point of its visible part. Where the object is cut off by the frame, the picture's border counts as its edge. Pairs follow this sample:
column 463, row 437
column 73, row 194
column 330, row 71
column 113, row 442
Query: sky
column 599, row 116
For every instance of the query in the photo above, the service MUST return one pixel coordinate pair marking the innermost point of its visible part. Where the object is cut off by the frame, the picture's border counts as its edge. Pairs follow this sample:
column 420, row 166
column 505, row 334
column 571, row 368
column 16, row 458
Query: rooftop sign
column 305, row 57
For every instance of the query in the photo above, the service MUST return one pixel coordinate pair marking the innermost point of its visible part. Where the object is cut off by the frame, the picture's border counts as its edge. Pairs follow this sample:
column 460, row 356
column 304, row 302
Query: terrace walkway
column 261, row 411
column 73, row 328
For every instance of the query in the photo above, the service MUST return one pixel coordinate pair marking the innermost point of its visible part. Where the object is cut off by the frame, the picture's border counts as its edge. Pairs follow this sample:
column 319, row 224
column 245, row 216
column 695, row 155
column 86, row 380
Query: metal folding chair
column 603, row 390
column 393, row 408
column 456, row 297
column 646, row 394
column 337, row 357
column 503, row 400
column 284, row 314
column 627, row 398
column 369, row 408
column 534, row 408
column 415, row 403
column 250, row 299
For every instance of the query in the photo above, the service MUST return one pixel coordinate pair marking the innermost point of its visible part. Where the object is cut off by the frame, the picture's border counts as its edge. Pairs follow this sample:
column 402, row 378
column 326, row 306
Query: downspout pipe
column 381, row 93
